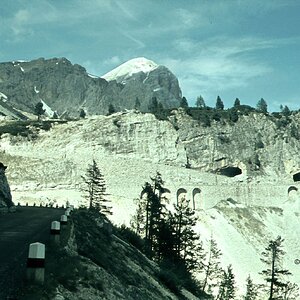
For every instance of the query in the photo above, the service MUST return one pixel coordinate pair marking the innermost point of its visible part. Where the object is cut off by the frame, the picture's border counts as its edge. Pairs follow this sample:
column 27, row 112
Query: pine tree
column 219, row 103
column 95, row 189
column 184, row 103
column 212, row 267
column 38, row 110
column 200, row 102
column 111, row 109
column 237, row 102
column 251, row 290
column 272, row 257
column 227, row 288
column 290, row 292
column 286, row 111
column 153, row 213
column 262, row 105
column 187, row 243
column 137, row 221
column 82, row 113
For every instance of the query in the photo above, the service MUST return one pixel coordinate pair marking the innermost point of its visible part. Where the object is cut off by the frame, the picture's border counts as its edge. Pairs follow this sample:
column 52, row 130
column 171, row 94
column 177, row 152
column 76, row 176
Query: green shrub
column 170, row 280
column 131, row 237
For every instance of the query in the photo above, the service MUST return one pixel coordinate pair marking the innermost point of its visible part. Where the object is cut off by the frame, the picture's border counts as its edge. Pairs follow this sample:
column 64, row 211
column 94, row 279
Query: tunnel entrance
column 231, row 171
column 296, row 177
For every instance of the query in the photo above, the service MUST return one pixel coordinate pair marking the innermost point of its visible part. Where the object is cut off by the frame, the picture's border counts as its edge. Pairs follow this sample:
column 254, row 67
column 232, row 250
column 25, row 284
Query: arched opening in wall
column 292, row 188
column 229, row 171
column 181, row 194
column 196, row 197
column 296, row 177
column 166, row 195
column 292, row 192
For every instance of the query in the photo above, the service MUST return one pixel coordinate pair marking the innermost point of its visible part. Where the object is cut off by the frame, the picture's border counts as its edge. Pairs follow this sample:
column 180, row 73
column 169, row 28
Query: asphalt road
column 17, row 231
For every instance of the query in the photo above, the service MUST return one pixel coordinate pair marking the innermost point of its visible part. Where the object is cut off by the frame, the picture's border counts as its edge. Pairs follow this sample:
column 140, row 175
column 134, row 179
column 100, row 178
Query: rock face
column 5, row 194
column 246, row 173
column 67, row 88
column 143, row 79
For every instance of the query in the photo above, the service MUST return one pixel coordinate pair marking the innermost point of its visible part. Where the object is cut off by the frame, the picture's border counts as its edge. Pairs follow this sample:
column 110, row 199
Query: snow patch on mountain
column 131, row 67
column 48, row 110
column 36, row 90
column 3, row 97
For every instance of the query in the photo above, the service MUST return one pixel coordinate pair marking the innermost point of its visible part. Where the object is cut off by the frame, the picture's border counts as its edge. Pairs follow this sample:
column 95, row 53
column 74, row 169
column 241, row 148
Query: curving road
column 17, row 231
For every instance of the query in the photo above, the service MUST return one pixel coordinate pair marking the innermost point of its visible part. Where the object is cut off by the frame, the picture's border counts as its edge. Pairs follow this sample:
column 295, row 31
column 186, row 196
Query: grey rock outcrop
column 5, row 194
column 67, row 88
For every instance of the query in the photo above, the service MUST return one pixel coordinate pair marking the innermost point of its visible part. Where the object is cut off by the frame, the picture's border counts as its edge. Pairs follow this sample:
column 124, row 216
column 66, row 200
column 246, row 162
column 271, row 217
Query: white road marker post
column 55, row 232
column 63, row 220
column 36, row 263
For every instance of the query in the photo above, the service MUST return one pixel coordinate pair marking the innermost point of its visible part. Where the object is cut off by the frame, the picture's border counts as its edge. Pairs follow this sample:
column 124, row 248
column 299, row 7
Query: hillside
column 93, row 263
column 46, row 166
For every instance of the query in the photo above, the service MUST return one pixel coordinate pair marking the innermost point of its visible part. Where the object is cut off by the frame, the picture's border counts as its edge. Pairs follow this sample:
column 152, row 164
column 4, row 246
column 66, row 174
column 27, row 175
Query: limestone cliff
column 246, row 173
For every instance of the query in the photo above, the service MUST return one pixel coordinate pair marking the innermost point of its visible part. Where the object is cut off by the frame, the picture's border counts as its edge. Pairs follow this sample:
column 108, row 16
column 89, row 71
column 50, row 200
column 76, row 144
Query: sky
column 248, row 49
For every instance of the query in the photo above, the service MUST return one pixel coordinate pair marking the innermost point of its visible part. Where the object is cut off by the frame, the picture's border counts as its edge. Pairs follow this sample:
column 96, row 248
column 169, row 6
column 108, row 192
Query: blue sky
column 246, row 49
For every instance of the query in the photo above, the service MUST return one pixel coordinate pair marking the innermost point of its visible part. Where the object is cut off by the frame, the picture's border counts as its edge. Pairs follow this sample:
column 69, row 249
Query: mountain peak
column 135, row 65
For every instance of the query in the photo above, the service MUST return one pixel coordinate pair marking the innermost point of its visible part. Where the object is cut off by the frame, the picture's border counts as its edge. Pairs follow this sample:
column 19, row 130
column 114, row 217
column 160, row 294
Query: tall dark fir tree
column 274, row 274
column 95, row 189
column 219, row 103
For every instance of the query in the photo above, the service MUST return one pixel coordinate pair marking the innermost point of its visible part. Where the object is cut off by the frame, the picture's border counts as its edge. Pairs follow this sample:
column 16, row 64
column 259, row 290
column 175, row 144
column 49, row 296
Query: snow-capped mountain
column 127, row 69
column 68, row 88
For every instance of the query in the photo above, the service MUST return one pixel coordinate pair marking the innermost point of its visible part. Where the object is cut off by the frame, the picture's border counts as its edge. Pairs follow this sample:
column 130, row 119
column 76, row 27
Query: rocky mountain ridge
column 68, row 88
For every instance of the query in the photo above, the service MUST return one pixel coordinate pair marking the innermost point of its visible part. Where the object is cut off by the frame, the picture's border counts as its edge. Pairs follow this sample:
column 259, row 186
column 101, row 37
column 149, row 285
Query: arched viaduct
column 260, row 194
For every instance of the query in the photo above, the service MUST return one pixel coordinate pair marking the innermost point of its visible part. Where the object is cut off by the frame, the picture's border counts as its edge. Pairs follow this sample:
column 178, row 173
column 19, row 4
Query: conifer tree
column 290, row 292
column 212, row 267
column 82, row 113
column 219, row 103
column 184, row 103
column 286, row 111
column 137, row 221
column 262, row 105
column 200, row 102
column 272, row 257
column 38, row 110
column 111, row 109
column 251, row 290
column 95, row 189
column 237, row 102
column 187, row 243
column 153, row 212
column 227, row 288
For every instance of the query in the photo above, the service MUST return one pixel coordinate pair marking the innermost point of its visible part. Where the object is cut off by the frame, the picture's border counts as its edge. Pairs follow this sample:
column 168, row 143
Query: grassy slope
column 93, row 264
